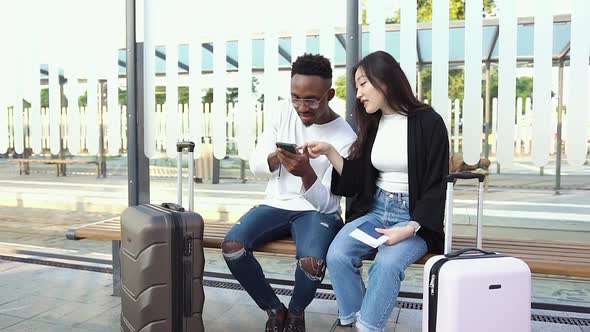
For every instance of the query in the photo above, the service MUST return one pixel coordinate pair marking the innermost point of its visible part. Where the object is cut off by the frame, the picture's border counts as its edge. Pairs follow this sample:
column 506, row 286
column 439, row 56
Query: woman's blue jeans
column 371, row 307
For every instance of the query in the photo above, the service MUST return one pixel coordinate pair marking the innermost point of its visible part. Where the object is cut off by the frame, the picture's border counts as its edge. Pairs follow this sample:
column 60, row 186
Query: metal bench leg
column 116, row 268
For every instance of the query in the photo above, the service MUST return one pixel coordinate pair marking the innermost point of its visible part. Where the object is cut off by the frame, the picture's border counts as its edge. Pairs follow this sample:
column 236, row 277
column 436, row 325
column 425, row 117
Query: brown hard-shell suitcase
column 162, row 263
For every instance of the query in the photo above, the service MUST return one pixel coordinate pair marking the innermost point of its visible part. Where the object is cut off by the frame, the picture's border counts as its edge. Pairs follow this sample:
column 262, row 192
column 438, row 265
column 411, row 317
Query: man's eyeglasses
column 312, row 103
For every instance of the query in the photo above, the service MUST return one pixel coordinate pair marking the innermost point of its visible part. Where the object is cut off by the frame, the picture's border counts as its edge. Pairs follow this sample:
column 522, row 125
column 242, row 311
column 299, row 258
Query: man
column 298, row 199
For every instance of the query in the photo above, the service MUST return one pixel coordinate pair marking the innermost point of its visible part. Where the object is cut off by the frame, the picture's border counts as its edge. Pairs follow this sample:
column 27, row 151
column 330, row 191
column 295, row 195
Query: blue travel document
column 367, row 234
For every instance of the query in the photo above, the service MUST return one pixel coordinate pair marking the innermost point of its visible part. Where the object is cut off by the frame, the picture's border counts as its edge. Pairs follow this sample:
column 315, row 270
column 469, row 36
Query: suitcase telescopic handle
column 466, row 176
column 466, row 250
column 190, row 146
column 449, row 208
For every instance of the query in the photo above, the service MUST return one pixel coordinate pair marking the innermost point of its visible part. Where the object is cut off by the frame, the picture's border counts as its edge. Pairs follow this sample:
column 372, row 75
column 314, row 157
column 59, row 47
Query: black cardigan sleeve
column 349, row 183
column 430, row 206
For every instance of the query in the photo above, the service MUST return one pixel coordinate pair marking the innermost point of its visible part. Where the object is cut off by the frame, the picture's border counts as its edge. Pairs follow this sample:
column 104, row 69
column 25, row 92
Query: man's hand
column 273, row 161
column 396, row 234
column 298, row 165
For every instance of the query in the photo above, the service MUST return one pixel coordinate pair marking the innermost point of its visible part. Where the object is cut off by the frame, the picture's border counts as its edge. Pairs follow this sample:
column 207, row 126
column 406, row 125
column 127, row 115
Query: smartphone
column 287, row 147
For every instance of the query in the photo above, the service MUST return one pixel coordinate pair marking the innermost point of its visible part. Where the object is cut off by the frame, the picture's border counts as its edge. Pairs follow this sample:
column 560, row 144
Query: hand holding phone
column 287, row 146
column 290, row 147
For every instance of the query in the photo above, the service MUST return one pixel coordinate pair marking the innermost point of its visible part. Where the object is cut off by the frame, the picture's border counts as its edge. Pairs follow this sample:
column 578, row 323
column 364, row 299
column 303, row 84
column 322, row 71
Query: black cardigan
column 428, row 166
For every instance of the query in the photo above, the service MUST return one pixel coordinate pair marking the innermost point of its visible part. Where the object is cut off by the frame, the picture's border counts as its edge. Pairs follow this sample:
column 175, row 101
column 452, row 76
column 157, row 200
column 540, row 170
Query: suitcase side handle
column 466, row 250
column 466, row 176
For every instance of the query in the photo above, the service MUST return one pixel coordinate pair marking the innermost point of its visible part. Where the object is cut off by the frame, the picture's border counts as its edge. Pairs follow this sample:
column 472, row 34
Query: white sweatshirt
column 287, row 191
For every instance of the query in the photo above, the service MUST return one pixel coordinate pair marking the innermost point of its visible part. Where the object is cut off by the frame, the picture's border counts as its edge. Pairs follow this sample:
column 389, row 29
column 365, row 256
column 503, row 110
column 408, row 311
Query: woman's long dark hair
column 386, row 75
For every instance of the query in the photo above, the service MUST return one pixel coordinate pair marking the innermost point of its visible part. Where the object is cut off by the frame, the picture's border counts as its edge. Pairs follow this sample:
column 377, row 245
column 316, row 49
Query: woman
column 396, row 171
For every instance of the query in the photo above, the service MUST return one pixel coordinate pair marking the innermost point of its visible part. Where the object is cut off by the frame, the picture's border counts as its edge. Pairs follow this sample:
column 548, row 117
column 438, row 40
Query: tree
column 456, row 76
column 524, row 87
column 456, row 11
column 83, row 99
column 341, row 87
column 424, row 14
column 45, row 97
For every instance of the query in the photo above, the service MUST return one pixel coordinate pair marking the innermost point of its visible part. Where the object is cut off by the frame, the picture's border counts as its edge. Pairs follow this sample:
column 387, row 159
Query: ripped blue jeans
column 312, row 232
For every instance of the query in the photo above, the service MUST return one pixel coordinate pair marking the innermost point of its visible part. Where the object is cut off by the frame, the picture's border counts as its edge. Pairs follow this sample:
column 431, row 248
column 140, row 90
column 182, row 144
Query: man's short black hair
column 312, row 64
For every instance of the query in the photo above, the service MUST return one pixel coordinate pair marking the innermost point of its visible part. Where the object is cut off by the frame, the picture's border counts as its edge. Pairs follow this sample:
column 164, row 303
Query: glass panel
column 340, row 51
column 392, row 43
column 561, row 37
column 456, row 44
column 524, row 40
column 258, row 54
column 232, row 55
column 312, row 44
column 285, row 52
column 207, row 57
column 160, row 60
column 425, row 45
column 183, row 54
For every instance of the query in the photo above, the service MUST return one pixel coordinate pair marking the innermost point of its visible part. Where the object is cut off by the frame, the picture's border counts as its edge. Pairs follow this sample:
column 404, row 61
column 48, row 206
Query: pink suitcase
column 472, row 289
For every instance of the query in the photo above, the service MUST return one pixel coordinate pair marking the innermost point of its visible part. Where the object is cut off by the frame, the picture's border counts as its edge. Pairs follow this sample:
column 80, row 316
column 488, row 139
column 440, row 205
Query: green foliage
column 456, row 11
column 183, row 94
column 231, row 96
column 456, row 76
column 122, row 96
column 45, row 97
column 83, row 99
column 524, row 87
column 341, row 87
column 160, row 95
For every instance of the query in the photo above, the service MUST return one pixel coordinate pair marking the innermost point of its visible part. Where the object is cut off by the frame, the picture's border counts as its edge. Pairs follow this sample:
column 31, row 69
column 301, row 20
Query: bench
column 23, row 164
column 552, row 258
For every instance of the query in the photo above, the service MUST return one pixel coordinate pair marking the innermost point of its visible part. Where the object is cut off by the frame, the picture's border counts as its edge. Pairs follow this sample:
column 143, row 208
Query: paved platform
column 36, row 210
column 47, row 299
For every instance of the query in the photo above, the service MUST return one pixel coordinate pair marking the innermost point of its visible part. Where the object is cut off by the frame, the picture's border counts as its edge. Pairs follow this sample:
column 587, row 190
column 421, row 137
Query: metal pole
column 138, row 190
column 138, row 164
column 488, row 113
column 559, row 133
column 352, row 55
column 102, row 173
column 61, row 168
column 419, row 89
column 353, row 48
column 143, row 163
column 243, row 170
column 479, row 229
column 448, row 223
column 216, row 170
column 132, row 146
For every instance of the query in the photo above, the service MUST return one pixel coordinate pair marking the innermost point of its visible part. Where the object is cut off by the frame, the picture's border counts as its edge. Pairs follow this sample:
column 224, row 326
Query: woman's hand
column 316, row 149
column 396, row 234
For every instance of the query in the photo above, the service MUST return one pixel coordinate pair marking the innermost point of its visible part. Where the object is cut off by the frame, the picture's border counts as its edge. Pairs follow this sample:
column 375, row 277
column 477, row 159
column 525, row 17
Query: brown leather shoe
column 295, row 323
column 276, row 320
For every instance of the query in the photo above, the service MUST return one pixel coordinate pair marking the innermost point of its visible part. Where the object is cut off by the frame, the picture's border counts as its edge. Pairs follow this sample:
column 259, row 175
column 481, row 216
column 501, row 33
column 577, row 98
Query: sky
column 77, row 33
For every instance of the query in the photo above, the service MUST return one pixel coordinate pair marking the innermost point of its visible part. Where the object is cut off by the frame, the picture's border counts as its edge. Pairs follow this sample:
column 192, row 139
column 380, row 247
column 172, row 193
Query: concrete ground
column 36, row 210
column 43, row 298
